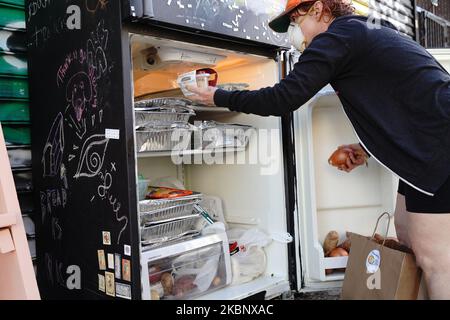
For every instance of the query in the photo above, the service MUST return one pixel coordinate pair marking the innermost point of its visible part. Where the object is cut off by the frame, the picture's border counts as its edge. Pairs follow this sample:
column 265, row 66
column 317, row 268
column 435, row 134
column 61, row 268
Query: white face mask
column 296, row 37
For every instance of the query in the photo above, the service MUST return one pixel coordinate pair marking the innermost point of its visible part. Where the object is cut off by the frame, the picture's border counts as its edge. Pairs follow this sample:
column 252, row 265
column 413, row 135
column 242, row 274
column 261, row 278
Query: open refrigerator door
column 332, row 200
column 232, row 162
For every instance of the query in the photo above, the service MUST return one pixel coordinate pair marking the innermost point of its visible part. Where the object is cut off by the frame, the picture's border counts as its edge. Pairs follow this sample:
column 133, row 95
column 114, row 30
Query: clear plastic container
column 203, row 80
column 188, row 275
column 143, row 186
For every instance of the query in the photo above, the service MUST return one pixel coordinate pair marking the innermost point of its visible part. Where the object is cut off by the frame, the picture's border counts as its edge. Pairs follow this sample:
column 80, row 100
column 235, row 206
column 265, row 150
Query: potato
column 167, row 283
column 217, row 281
column 347, row 243
column 155, row 295
column 330, row 242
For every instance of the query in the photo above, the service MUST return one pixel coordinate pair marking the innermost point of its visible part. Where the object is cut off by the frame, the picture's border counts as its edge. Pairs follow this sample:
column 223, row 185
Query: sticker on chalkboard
column 113, row 134
column 123, row 291
column 110, row 261
column 110, row 287
column 117, row 260
column 126, row 270
column 106, row 238
column 101, row 260
column 127, row 250
column 101, row 283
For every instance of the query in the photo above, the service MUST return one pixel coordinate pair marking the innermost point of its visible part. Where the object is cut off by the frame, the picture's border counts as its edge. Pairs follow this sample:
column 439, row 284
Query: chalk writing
column 103, row 192
column 51, row 199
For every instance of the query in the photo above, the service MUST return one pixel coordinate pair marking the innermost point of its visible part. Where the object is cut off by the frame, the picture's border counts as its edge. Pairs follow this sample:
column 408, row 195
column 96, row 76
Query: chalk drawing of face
column 78, row 92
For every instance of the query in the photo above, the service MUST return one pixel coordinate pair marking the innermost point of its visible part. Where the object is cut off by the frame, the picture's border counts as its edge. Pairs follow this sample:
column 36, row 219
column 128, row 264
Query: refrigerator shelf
column 155, row 154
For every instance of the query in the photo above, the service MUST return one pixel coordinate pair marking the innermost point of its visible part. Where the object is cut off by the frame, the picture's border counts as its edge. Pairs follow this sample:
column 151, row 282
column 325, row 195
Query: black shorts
column 419, row 202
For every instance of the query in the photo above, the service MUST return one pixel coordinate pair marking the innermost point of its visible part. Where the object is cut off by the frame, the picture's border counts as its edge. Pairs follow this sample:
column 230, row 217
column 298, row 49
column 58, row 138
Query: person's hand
column 357, row 157
column 202, row 95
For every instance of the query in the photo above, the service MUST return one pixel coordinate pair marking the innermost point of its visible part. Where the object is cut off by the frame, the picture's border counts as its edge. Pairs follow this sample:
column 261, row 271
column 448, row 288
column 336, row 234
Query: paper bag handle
column 387, row 229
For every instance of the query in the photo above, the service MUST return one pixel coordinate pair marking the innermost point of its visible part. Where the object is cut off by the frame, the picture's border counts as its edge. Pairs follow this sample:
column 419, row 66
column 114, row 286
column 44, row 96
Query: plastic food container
column 214, row 135
column 203, row 80
column 143, row 186
column 175, row 137
column 189, row 274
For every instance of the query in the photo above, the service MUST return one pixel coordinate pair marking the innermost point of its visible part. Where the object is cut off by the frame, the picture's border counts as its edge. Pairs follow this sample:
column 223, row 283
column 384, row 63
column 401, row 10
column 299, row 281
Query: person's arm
column 323, row 60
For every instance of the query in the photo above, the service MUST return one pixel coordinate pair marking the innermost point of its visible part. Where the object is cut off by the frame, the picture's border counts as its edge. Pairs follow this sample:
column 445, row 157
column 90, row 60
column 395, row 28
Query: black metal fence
column 434, row 28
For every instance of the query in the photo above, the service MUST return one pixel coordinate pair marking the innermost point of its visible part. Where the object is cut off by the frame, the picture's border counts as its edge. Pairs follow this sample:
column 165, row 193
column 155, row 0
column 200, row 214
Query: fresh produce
column 155, row 295
column 217, row 281
column 155, row 273
column 183, row 285
column 330, row 242
column 392, row 243
column 336, row 252
column 339, row 157
column 346, row 244
column 167, row 283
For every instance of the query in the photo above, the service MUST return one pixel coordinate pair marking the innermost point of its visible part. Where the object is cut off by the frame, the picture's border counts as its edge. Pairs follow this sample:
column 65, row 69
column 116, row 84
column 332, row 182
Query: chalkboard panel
column 81, row 167
column 245, row 19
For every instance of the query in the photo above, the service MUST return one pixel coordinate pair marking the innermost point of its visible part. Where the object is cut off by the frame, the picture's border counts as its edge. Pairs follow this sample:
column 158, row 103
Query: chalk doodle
column 103, row 192
column 92, row 156
column 79, row 93
column 56, row 229
column 53, row 148
column 95, row 48
column 93, row 5
column 242, row 18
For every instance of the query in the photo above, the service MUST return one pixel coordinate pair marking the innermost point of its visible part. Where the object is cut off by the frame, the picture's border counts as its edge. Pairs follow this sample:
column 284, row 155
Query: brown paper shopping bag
column 380, row 271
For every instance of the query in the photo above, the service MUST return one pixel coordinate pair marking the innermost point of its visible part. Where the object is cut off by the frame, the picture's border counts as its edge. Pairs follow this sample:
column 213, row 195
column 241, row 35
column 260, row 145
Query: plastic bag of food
column 248, row 259
column 196, row 270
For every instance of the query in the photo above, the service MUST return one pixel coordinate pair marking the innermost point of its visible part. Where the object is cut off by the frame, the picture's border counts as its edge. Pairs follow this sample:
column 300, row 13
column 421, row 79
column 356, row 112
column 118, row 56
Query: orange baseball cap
column 281, row 23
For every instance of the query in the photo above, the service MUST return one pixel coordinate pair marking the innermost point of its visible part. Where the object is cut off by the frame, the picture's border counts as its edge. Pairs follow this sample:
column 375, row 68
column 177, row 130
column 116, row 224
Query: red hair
column 331, row 8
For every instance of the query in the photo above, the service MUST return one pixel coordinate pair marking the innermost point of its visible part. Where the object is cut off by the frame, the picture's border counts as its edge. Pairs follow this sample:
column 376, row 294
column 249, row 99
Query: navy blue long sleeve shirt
column 396, row 95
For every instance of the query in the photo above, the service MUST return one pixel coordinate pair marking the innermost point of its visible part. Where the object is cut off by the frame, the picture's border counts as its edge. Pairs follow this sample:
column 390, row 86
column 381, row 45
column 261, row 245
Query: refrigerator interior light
column 156, row 58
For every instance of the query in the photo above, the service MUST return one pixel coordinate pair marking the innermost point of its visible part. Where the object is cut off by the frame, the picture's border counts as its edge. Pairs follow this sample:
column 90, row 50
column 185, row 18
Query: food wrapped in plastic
column 157, row 116
column 174, row 137
column 215, row 135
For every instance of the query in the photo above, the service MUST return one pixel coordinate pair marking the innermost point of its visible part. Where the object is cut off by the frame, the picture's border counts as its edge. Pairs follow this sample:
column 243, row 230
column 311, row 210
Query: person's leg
column 430, row 239
column 401, row 221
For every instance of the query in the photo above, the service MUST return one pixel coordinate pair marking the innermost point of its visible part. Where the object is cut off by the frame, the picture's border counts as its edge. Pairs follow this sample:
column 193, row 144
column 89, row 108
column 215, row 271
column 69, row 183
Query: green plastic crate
column 14, row 111
column 13, row 65
column 13, row 88
column 18, row 3
column 16, row 134
column 12, row 18
column 13, row 41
